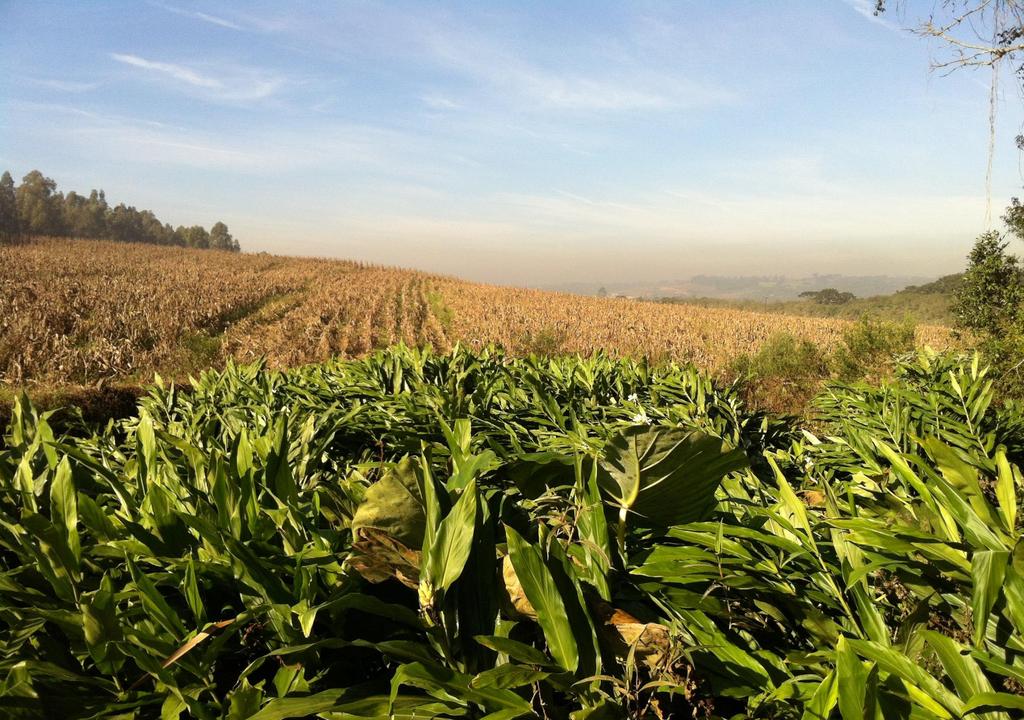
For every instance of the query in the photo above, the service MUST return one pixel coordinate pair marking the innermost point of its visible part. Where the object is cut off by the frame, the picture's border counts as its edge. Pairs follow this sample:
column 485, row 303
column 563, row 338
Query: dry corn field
column 78, row 311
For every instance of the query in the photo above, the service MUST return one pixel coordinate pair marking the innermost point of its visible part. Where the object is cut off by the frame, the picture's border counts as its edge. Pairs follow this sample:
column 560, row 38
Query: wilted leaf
column 514, row 590
column 394, row 506
column 378, row 557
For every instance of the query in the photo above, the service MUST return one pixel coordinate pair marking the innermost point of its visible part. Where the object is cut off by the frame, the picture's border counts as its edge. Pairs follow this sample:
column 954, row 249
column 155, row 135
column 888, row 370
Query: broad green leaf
column 1013, row 591
column 95, row 518
column 967, row 676
column 514, row 649
column 961, row 475
column 279, row 476
column 190, row 588
column 820, row 706
column 994, row 701
column 456, row 686
column 869, row 616
column 592, row 526
column 852, row 677
column 924, row 689
column 155, row 604
column 24, row 481
column 988, row 568
column 507, row 676
column 536, row 473
column 540, row 589
column 244, row 701
column 1007, row 479
column 50, row 552
column 793, row 505
column 290, row 679
column 404, row 707
column 172, row 708
column 64, row 506
column 146, row 442
column 663, row 476
column 99, row 621
column 300, row 707
column 735, row 667
column 602, row 710
column 444, row 561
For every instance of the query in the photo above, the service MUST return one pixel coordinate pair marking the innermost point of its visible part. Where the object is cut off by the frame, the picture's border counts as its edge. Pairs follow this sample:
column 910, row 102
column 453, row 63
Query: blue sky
column 525, row 143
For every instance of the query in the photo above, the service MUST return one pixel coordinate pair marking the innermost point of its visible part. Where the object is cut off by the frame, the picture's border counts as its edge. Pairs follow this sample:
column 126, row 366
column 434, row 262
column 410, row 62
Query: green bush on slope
column 785, row 373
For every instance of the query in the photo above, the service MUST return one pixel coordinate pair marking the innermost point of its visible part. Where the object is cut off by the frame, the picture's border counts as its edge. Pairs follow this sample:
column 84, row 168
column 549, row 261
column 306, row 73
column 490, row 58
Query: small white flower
column 641, row 418
column 633, row 398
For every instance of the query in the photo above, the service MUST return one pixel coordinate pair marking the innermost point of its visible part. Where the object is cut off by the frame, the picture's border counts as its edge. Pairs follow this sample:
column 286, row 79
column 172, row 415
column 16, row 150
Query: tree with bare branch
column 976, row 34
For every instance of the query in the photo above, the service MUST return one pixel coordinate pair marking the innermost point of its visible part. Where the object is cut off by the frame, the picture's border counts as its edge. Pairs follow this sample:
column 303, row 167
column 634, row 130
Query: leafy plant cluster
column 786, row 373
column 468, row 535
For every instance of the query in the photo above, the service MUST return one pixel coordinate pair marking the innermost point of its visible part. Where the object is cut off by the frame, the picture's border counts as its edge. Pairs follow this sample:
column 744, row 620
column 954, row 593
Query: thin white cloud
column 440, row 102
column 196, row 15
column 177, row 72
column 494, row 71
column 70, row 86
column 215, row 20
column 699, row 197
column 371, row 152
column 57, row 109
column 230, row 84
column 677, row 218
column 112, row 135
column 626, row 84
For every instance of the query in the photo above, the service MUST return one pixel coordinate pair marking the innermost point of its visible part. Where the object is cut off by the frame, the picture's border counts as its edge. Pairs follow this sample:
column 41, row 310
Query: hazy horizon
column 527, row 144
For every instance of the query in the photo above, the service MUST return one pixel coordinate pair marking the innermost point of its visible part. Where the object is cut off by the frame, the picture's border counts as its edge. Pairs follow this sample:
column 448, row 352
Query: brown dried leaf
column 378, row 557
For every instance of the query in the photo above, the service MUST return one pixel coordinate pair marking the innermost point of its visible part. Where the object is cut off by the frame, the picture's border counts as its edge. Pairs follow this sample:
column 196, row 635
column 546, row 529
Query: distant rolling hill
column 928, row 303
column 760, row 288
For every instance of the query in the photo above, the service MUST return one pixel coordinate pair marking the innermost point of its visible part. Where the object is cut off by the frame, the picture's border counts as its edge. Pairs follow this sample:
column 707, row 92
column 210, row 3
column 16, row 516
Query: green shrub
column 784, row 374
column 784, row 355
column 198, row 350
column 545, row 342
column 440, row 309
column 870, row 345
column 991, row 294
column 1006, row 353
column 787, row 372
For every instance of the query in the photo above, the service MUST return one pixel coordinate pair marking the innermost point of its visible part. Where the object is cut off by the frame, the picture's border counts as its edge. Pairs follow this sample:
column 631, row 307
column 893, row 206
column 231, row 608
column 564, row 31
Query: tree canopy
column 828, row 296
column 37, row 208
column 989, row 298
column 9, row 224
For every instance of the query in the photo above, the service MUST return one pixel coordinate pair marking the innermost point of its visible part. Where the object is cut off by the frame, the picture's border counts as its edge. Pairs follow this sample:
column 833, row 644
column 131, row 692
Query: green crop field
column 468, row 535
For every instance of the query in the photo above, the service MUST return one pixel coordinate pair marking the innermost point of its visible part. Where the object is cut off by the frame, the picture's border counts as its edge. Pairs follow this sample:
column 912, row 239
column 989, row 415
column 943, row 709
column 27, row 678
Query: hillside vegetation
column 87, row 312
column 930, row 304
column 474, row 536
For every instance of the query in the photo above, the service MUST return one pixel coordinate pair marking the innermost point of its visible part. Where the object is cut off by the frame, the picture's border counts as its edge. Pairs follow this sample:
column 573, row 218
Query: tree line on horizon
column 36, row 208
